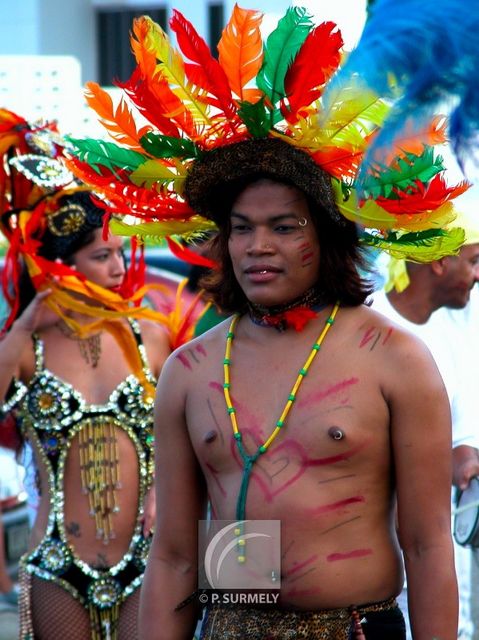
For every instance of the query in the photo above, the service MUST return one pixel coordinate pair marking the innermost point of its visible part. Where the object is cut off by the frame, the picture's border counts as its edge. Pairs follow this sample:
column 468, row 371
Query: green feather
column 422, row 246
column 280, row 50
column 402, row 173
column 160, row 146
column 106, row 154
column 256, row 118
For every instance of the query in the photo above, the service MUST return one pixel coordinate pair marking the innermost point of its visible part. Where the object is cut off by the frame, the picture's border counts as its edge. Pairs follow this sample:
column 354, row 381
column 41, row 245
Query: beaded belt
column 252, row 623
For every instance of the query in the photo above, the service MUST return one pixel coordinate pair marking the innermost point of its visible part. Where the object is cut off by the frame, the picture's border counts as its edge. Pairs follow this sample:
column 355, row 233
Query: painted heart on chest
column 284, row 464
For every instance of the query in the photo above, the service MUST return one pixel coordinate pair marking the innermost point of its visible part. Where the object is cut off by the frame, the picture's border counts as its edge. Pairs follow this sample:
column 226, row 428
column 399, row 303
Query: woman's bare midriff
column 79, row 525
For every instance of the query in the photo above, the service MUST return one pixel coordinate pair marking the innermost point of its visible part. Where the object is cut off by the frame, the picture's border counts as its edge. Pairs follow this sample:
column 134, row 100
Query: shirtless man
column 368, row 425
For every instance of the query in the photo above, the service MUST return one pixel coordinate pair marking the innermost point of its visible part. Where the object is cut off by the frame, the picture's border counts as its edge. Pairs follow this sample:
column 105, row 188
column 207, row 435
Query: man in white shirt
column 420, row 303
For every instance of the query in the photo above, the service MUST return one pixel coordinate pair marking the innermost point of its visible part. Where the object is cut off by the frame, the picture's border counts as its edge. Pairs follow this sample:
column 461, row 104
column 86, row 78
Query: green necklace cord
column 249, row 460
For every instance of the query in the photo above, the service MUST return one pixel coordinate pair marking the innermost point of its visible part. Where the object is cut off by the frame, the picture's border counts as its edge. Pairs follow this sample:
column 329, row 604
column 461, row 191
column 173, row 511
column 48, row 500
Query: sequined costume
column 52, row 414
column 379, row 621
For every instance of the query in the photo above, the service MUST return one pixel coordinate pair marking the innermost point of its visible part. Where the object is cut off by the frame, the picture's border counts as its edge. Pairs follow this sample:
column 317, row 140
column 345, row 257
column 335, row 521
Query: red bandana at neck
column 296, row 318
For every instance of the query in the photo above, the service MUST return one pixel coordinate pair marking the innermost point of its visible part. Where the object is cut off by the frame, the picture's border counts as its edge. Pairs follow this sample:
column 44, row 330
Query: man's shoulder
column 370, row 328
column 199, row 351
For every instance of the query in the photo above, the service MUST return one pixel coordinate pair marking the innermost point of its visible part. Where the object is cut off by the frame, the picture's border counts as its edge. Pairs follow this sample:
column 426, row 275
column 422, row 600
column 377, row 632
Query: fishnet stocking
column 128, row 626
column 57, row 615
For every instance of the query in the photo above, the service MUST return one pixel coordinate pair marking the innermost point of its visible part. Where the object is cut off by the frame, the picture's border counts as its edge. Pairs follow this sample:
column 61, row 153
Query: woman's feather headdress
column 40, row 197
column 181, row 107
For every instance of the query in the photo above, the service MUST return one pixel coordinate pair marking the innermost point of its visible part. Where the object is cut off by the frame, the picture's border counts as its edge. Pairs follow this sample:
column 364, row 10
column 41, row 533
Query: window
column 216, row 22
column 116, row 61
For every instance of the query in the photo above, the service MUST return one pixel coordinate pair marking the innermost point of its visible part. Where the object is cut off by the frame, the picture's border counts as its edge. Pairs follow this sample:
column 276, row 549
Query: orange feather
column 145, row 58
column 118, row 122
column 414, row 141
column 241, row 52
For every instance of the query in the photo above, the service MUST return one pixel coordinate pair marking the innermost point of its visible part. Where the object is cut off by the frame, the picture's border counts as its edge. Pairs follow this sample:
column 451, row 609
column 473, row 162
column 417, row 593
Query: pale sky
column 349, row 15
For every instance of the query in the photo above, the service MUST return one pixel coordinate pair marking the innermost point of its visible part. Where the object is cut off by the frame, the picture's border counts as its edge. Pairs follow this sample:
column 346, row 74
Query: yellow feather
column 439, row 218
column 194, row 225
column 153, row 171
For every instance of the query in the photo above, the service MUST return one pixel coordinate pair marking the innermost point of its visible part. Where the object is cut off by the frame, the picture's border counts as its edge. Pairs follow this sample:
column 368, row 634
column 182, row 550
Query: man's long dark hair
column 341, row 257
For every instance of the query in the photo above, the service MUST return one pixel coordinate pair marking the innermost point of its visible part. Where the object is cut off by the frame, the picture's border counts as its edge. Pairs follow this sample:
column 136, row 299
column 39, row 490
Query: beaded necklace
column 249, row 460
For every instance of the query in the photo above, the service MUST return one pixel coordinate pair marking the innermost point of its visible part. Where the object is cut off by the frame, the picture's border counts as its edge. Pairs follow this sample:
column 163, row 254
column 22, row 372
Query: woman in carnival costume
column 79, row 361
column 245, row 143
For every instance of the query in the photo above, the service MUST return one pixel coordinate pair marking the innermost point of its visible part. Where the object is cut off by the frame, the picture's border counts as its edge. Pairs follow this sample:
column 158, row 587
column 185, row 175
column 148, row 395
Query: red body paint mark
column 320, row 395
column 367, row 337
column 357, row 553
column 333, row 506
column 388, row 335
column 200, row 348
column 214, row 474
column 299, row 565
column 306, row 253
column 184, row 360
column 214, row 514
column 340, row 457
column 300, row 593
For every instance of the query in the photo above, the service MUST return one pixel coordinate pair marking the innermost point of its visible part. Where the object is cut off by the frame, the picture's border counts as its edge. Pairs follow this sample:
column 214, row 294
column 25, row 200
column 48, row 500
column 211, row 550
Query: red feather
column 206, row 72
column 185, row 254
column 142, row 97
column 340, row 162
column 159, row 101
column 304, row 81
column 128, row 198
column 423, row 198
column 188, row 322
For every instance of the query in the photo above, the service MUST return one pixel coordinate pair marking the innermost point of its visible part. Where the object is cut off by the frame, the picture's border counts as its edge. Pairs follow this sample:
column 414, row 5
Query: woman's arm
column 14, row 345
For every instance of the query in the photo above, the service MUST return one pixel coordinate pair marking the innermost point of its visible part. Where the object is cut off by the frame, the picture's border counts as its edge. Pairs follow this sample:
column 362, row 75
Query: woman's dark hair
column 63, row 246
column 341, row 257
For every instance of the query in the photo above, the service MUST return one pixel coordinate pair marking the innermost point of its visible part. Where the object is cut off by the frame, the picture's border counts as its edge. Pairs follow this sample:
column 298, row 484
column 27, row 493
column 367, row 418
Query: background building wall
column 64, row 34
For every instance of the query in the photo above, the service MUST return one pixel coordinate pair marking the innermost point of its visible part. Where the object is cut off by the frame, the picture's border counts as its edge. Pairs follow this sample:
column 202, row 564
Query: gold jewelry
column 100, row 474
column 90, row 347
column 66, row 220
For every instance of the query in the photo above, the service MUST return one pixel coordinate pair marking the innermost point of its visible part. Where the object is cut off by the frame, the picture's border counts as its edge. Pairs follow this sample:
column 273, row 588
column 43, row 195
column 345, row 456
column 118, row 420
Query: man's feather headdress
column 182, row 111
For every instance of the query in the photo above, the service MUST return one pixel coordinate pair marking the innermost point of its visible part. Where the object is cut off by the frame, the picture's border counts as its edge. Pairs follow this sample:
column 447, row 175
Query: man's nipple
column 211, row 436
column 336, row 433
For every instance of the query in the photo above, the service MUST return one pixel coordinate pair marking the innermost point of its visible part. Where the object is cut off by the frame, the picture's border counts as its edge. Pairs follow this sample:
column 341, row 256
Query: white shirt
column 446, row 339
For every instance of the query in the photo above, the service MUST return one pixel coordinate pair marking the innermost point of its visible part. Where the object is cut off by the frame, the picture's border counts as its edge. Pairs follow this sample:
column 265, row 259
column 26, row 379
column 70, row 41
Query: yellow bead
column 237, row 531
column 241, row 542
column 241, row 559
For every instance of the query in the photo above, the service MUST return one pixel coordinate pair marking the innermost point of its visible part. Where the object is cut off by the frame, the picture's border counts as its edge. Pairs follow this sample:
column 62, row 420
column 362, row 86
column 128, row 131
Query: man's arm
column 171, row 573
column 421, row 439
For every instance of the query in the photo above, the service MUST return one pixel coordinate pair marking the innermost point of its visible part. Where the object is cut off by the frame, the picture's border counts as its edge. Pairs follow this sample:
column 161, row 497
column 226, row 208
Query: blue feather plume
column 430, row 48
